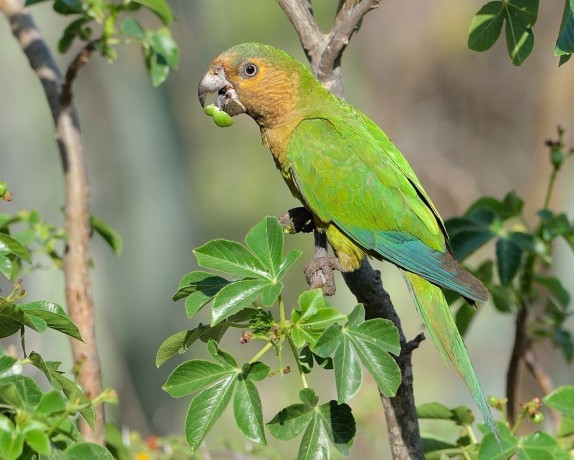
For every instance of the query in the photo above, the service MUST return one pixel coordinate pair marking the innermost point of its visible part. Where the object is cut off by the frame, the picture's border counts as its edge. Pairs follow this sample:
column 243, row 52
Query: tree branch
column 520, row 343
column 76, row 258
column 324, row 52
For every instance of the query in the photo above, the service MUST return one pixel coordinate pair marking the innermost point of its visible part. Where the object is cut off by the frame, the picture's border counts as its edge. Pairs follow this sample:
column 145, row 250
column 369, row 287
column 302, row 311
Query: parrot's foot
column 297, row 220
column 319, row 274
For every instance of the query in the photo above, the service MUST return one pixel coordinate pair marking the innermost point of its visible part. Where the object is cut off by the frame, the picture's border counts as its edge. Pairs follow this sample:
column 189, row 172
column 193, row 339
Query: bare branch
column 520, row 344
column 300, row 13
column 76, row 259
column 400, row 411
column 349, row 16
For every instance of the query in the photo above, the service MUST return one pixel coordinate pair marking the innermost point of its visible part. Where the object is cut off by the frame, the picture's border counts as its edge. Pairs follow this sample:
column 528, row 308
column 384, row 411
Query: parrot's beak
column 215, row 81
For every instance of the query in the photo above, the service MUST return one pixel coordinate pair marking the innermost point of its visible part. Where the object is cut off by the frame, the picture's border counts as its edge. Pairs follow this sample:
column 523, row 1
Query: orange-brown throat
column 270, row 97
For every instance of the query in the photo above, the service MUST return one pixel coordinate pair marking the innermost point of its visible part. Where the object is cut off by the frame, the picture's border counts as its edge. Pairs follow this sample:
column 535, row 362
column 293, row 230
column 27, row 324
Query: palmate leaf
column 230, row 257
column 330, row 422
column 519, row 16
column 236, row 296
column 312, row 318
column 266, row 241
column 368, row 341
column 159, row 7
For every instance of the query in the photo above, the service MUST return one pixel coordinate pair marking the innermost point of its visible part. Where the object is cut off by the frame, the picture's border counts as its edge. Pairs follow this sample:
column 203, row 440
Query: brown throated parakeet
column 359, row 188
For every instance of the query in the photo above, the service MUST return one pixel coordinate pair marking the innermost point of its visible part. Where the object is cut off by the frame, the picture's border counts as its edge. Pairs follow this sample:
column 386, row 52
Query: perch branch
column 324, row 53
column 76, row 258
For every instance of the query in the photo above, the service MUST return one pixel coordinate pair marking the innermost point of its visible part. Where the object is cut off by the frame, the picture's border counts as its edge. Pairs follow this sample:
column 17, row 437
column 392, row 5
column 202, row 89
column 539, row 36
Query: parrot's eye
column 249, row 69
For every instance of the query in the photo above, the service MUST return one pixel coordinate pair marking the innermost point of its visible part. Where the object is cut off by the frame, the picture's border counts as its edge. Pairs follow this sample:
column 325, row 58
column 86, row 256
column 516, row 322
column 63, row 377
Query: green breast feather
column 351, row 175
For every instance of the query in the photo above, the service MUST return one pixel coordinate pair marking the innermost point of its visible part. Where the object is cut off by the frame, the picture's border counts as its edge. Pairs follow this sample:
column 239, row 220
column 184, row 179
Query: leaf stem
column 299, row 367
column 261, row 352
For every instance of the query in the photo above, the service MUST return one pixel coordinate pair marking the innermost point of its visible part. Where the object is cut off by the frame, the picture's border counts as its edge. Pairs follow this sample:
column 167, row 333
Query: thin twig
column 76, row 259
column 520, row 344
column 543, row 380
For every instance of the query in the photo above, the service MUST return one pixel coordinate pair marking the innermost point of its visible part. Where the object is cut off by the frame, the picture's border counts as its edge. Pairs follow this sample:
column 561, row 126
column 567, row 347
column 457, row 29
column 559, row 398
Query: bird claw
column 297, row 220
column 319, row 273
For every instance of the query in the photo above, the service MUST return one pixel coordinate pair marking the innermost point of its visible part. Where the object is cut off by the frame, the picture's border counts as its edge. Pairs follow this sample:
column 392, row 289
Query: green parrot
column 360, row 190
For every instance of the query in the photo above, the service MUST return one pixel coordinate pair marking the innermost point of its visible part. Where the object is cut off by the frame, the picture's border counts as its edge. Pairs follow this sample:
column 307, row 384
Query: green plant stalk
column 299, row 367
column 261, row 352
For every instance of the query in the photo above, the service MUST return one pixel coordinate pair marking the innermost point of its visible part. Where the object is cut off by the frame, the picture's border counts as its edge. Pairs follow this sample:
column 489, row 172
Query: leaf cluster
column 314, row 333
column 97, row 22
column 518, row 17
column 535, row 445
column 516, row 275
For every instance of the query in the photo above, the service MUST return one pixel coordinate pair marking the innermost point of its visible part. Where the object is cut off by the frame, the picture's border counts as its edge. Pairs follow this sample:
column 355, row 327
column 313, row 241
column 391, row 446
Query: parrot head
column 259, row 80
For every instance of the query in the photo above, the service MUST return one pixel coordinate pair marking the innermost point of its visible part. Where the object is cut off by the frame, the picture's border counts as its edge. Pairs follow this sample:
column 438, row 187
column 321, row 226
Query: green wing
column 350, row 174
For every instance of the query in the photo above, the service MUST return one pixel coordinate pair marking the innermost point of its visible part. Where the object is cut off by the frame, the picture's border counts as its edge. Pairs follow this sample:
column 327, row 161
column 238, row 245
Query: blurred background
column 164, row 176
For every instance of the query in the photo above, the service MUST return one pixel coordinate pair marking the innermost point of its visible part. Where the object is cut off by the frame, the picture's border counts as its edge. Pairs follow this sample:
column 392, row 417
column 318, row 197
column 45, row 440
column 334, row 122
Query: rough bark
column 76, row 213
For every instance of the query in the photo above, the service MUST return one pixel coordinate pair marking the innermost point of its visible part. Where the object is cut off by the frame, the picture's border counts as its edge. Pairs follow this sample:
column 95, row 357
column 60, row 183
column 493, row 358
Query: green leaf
column 205, row 409
column 248, row 411
column 566, row 426
column 6, row 266
column 11, row 320
column 73, row 30
column 159, row 7
column 562, row 400
column 525, row 10
column 371, row 341
column 11, row 440
column 339, row 424
column 508, row 258
column 435, row 411
column 287, row 262
column 9, row 245
column 512, row 204
column 266, row 241
column 38, row 362
column 38, row 441
column 132, row 28
column 555, row 289
column 291, row 421
column 486, row 26
column 565, row 42
column 236, row 296
column 270, row 293
column 328, row 422
column 54, row 316
column 164, row 47
column 75, row 393
column 313, row 317
column 25, row 389
column 255, row 371
column 502, row 297
column 8, row 364
column 51, row 403
column 519, row 39
column 206, row 283
column 230, row 257
column 68, row 6
column 466, row 236
column 490, row 449
column 109, row 235
column 196, row 375
column 541, row 445
column 177, row 343
column 87, row 451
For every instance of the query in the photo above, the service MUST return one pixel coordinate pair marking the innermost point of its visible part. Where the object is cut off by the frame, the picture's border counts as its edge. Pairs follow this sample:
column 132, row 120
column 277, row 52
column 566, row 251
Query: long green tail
column 442, row 328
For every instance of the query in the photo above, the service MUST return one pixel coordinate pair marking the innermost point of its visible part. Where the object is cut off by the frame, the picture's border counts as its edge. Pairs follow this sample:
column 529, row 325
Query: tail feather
column 442, row 328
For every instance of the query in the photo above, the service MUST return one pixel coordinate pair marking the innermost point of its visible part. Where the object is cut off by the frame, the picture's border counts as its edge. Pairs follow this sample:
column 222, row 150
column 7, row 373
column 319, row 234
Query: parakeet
column 359, row 188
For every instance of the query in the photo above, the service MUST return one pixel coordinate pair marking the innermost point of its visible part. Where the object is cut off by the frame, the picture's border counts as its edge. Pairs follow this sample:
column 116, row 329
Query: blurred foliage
column 517, row 277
